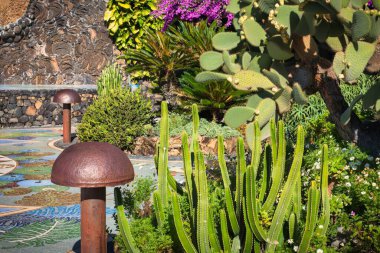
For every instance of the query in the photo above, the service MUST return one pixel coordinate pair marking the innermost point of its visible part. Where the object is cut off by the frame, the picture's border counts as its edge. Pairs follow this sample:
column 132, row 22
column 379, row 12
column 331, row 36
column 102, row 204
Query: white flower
column 348, row 184
column 352, row 158
column 319, row 152
column 346, row 167
column 346, row 177
column 303, row 207
column 374, row 184
column 319, row 250
column 290, row 241
column 342, row 244
column 354, row 168
column 295, row 248
column 363, row 192
column 320, row 226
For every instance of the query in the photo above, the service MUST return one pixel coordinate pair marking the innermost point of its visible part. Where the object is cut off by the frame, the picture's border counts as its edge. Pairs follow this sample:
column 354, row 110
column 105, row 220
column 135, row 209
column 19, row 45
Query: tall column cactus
column 240, row 227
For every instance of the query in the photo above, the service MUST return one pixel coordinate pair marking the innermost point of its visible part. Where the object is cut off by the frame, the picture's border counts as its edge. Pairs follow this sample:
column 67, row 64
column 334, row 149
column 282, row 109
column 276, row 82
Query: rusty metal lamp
column 66, row 97
column 92, row 166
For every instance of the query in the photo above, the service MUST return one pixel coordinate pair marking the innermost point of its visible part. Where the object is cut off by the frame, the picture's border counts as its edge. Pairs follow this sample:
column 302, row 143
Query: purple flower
column 352, row 213
column 194, row 11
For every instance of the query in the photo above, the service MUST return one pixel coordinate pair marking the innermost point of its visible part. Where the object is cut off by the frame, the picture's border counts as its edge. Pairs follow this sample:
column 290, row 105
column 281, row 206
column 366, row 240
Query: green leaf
column 124, row 5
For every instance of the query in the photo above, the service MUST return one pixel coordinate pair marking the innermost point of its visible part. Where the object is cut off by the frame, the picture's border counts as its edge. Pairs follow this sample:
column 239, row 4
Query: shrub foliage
column 128, row 20
column 117, row 118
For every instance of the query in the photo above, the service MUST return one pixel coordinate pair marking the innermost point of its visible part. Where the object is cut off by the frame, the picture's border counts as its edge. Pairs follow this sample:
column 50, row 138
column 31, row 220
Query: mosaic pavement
column 35, row 214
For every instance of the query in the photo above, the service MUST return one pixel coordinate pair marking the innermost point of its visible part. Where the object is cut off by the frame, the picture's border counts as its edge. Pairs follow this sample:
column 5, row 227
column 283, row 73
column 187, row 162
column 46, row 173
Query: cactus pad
column 250, row 80
column 211, row 60
column 254, row 33
column 210, row 76
column 357, row 57
column 225, row 41
column 238, row 115
column 277, row 49
column 361, row 25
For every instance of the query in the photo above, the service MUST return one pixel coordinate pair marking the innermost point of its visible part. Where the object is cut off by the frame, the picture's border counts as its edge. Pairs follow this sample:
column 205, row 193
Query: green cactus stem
column 311, row 217
column 184, row 239
column 224, row 228
column 122, row 221
column 227, row 190
column 286, row 195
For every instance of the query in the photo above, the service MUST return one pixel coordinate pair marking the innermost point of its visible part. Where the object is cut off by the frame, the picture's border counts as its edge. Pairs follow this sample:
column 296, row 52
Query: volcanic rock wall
column 56, row 42
column 25, row 108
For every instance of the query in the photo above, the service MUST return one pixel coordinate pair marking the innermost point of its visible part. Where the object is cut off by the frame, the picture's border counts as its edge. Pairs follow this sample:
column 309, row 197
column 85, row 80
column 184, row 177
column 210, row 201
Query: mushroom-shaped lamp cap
column 66, row 96
column 92, row 164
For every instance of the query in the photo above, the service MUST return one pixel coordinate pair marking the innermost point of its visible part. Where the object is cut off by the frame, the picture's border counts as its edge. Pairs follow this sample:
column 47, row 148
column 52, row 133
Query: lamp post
column 66, row 97
column 92, row 166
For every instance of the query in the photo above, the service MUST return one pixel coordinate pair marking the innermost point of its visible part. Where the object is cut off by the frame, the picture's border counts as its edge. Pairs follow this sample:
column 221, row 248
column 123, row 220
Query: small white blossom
column 320, row 226
column 363, row 192
column 346, row 177
column 342, row 244
column 290, row 241
column 374, row 184
column 295, row 248
column 319, row 250
column 354, row 167
column 348, row 184
column 352, row 158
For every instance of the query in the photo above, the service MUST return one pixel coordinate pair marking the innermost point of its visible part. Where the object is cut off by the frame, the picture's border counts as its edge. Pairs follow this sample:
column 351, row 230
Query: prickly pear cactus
column 272, row 37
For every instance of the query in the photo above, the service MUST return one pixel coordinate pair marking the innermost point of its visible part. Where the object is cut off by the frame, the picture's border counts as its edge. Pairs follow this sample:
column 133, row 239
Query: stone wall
column 19, row 108
column 56, row 42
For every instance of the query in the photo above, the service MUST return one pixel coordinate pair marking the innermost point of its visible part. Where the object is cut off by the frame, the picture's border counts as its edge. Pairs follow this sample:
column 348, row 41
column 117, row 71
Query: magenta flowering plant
column 194, row 11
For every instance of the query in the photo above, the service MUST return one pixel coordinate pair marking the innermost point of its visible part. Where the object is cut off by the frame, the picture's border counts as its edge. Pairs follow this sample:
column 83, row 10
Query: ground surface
column 35, row 214
column 11, row 10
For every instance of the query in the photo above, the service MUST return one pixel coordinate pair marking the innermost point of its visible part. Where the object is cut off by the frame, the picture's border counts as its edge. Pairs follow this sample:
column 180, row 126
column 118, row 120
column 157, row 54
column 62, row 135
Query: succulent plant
column 275, row 40
column 241, row 228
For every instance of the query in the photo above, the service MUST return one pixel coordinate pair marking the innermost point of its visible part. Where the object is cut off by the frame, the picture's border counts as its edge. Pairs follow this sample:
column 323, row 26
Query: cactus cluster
column 240, row 227
column 110, row 79
column 271, row 35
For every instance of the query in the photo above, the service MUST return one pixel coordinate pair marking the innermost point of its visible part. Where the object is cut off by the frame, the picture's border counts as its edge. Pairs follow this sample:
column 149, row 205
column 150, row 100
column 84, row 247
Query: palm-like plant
column 168, row 54
column 212, row 96
column 161, row 59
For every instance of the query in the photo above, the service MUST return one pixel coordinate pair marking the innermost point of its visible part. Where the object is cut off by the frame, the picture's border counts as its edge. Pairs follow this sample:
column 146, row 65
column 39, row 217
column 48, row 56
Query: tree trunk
column 365, row 135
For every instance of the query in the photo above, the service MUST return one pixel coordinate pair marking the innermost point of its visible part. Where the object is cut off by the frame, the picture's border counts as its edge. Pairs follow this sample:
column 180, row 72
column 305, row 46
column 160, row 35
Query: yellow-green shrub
column 117, row 118
column 127, row 21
